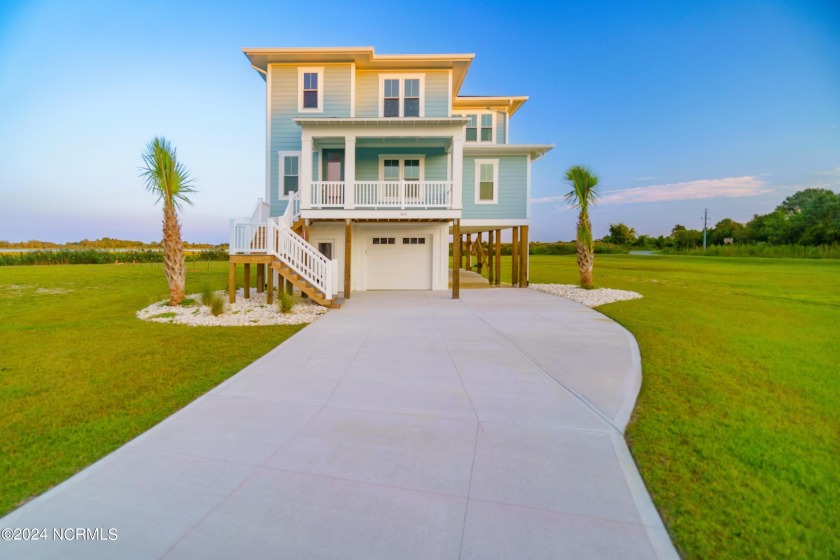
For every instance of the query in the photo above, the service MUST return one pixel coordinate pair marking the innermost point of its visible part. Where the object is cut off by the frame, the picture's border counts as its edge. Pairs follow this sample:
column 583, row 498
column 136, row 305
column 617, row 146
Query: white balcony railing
column 383, row 194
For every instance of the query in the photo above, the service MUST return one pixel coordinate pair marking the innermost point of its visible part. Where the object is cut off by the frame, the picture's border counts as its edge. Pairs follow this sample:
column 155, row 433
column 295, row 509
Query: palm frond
column 165, row 176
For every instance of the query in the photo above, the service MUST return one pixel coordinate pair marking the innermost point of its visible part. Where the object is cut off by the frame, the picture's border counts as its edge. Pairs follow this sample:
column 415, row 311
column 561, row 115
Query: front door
column 333, row 166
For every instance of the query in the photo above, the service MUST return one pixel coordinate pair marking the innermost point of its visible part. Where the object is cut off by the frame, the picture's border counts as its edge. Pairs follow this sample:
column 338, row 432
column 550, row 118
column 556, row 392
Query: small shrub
column 206, row 295
column 286, row 302
column 217, row 305
column 167, row 315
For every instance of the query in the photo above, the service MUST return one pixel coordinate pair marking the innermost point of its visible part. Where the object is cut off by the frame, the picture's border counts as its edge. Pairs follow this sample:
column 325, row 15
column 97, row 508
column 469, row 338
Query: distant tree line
column 102, row 243
column 810, row 218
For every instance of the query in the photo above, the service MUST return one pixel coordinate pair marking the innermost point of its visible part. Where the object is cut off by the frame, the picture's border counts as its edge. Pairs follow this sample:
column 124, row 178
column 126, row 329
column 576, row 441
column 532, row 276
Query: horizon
column 724, row 106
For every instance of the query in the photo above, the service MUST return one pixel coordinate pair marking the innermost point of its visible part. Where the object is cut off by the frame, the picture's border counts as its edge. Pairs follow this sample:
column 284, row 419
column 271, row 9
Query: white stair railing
column 294, row 251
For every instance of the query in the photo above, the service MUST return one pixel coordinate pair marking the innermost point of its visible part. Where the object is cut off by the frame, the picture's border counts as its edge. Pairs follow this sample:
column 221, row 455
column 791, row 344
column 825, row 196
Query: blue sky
column 677, row 106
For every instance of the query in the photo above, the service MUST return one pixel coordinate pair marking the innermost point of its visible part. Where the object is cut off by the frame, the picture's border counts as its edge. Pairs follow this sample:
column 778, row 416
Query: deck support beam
column 348, row 246
column 468, row 252
column 232, row 282
column 269, row 297
column 456, row 259
column 247, row 280
column 490, row 251
column 498, row 257
column 260, row 278
column 523, row 257
column 514, row 253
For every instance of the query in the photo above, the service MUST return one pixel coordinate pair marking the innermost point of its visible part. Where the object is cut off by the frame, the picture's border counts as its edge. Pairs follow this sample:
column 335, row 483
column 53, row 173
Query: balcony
column 374, row 195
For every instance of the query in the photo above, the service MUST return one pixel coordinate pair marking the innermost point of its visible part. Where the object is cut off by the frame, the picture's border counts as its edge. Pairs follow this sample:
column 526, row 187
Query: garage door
column 399, row 262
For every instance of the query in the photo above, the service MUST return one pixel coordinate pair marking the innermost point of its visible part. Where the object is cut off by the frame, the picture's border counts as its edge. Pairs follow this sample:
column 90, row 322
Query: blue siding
column 437, row 93
column 513, row 189
column 501, row 127
column 367, row 162
column 285, row 134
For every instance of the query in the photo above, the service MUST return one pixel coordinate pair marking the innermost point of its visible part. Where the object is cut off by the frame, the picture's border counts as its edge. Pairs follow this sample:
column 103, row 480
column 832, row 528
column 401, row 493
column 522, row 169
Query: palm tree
column 170, row 181
column 583, row 193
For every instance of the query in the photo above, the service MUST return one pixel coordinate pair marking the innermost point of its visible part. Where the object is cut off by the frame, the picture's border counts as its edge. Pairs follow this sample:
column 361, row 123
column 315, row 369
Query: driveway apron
column 404, row 425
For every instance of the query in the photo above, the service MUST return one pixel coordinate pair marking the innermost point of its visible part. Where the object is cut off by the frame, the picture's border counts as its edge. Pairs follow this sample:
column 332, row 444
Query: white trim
column 528, row 189
column 281, row 160
column 507, row 128
column 311, row 70
column 320, row 163
column 477, row 186
column 493, row 223
column 477, row 112
column 402, row 78
column 353, row 90
column 402, row 158
column 268, row 136
column 381, row 214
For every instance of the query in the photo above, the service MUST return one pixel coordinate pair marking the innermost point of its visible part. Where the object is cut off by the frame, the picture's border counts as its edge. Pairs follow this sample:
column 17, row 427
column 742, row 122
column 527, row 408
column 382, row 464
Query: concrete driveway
column 405, row 425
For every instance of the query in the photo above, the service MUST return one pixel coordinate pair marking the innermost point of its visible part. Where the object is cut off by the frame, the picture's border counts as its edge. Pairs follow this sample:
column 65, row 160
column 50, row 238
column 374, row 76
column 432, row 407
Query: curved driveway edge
column 405, row 425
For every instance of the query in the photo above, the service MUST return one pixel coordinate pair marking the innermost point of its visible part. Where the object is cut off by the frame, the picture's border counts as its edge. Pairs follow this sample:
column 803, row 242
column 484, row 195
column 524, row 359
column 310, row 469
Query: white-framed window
column 402, row 95
column 289, row 176
column 310, row 90
column 486, row 181
column 481, row 126
column 401, row 167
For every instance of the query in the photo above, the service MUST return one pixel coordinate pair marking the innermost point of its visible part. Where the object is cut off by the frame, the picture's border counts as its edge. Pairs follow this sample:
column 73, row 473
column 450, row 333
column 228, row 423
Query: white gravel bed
column 251, row 312
column 589, row 298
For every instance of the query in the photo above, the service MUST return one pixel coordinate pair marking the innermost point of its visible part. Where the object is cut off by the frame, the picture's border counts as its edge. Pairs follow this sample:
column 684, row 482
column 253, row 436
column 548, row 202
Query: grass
column 762, row 250
column 737, row 428
column 80, row 375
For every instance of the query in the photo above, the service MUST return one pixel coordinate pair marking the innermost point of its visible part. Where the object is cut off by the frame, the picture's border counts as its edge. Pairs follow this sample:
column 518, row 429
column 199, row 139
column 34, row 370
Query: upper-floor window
column 480, row 127
column 310, row 90
column 486, row 181
column 401, row 95
column 289, row 173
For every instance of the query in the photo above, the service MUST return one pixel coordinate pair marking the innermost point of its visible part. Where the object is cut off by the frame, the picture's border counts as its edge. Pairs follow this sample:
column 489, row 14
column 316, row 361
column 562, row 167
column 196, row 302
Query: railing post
column 350, row 172
column 232, row 238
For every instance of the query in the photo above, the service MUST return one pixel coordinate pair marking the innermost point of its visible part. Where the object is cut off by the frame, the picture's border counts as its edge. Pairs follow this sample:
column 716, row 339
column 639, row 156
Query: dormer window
column 310, row 90
column 401, row 95
column 480, row 127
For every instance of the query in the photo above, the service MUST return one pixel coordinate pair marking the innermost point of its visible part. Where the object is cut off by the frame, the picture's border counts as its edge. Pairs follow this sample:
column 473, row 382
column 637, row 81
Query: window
column 402, row 167
column 480, row 127
column 401, row 95
column 384, row 240
column 289, row 173
column 486, row 181
column 411, row 102
column 392, row 98
column 414, row 240
column 310, row 90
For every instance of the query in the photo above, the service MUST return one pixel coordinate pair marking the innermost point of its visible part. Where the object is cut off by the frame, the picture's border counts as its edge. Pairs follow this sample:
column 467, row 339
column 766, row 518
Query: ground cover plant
column 80, row 375
column 737, row 428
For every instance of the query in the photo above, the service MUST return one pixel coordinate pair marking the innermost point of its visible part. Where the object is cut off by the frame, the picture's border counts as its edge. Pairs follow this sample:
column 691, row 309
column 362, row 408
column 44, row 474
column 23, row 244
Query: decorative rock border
column 252, row 312
column 589, row 298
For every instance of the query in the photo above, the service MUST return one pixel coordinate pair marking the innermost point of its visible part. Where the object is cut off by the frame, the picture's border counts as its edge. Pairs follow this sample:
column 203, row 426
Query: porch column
column 247, row 281
column 523, row 257
column 232, row 282
column 457, row 174
column 260, row 277
column 498, row 262
column 305, row 170
column 490, row 250
column 479, row 262
column 350, row 172
column 469, row 251
column 348, row 245
column 456, row 258
column 514, row 253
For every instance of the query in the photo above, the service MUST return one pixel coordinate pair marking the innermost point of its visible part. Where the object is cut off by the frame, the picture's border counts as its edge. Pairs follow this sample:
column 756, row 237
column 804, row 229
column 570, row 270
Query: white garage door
column 399, row 262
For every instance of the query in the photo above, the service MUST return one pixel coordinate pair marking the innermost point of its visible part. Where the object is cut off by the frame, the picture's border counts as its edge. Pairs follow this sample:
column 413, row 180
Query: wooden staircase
column 305, row 286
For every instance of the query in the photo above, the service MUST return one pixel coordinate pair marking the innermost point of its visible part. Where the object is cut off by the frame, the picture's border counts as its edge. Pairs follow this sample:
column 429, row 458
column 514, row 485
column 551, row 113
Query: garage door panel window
column 414, row 240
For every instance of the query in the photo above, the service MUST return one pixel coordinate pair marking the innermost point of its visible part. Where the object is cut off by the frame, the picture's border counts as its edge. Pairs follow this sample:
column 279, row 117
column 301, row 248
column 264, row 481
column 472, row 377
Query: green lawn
column 737, row 428
column 80, row 375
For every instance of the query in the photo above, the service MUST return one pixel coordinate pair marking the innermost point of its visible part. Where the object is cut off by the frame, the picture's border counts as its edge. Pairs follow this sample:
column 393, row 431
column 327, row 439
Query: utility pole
column 705, row 225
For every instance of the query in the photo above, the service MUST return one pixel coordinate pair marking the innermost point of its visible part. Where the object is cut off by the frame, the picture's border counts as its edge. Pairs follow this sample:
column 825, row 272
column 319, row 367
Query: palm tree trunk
column 585, row 251
column 173, row 256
